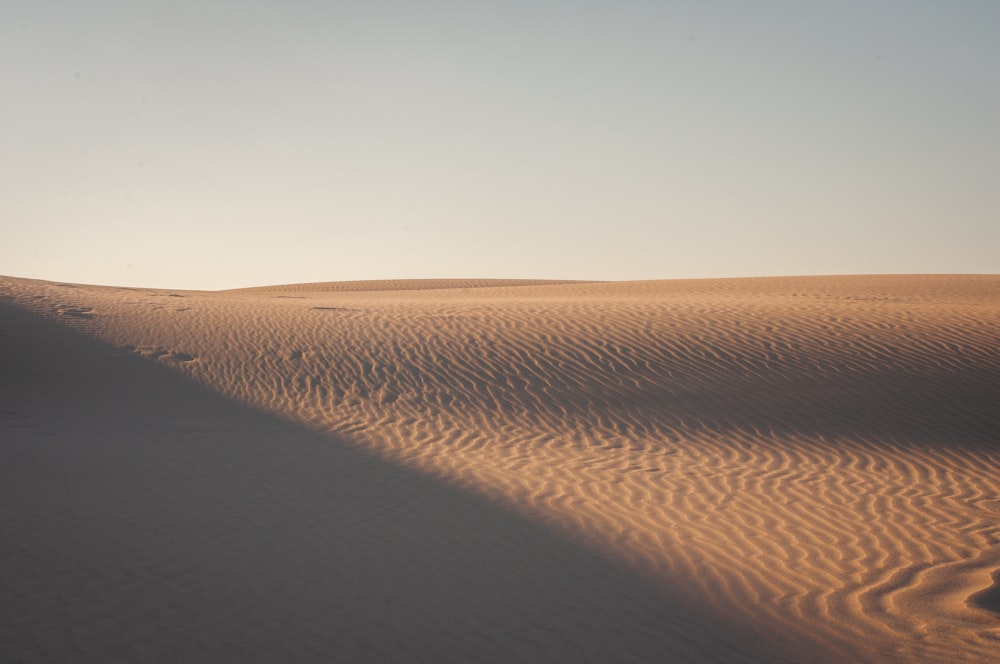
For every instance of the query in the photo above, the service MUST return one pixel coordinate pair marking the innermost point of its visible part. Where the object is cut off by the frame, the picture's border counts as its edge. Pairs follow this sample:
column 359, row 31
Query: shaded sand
column 804, row 469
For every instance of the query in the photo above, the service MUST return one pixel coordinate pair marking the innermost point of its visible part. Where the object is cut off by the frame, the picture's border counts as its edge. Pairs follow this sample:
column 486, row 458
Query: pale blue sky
column 223, row 144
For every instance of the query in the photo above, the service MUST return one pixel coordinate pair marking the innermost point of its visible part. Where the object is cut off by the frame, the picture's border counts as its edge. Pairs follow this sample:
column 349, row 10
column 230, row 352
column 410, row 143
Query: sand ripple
column 815, row 458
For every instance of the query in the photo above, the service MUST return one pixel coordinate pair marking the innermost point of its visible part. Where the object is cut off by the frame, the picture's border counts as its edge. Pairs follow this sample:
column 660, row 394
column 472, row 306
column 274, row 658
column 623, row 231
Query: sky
column 220, row 144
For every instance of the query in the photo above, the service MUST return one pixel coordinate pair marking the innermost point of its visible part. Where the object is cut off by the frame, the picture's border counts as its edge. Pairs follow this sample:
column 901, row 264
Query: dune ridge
column 370, row 285
column 815, row 458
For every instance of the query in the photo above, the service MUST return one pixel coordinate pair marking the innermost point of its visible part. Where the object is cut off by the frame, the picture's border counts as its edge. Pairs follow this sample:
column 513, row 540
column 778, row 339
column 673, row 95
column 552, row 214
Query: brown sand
column 784, row 469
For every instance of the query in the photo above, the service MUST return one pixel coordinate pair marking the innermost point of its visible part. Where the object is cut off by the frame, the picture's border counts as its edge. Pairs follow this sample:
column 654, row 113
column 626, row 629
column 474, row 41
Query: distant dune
column 761, row 470
column 397, row 285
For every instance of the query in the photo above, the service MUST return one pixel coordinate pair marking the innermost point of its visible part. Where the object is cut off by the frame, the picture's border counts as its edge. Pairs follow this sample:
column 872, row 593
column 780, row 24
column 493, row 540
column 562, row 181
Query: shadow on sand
column 989, row 599
column 146, row 518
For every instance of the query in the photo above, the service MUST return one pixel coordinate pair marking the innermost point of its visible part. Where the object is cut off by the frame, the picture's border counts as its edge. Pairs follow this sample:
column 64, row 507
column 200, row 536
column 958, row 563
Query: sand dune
column 709, row 470
column 394, row 285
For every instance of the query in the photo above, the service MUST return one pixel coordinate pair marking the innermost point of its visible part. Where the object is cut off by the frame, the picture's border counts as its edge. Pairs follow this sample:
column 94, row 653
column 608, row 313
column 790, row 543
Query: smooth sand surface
column 762, row 470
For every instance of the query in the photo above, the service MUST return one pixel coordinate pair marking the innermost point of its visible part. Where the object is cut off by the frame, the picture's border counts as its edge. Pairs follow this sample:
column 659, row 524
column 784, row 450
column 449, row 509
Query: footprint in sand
column 76, row 312
column 159, row 353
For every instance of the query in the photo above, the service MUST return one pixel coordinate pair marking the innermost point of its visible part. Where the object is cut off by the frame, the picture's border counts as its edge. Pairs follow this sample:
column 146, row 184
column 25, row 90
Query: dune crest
column 816, row 459
column 386, row 285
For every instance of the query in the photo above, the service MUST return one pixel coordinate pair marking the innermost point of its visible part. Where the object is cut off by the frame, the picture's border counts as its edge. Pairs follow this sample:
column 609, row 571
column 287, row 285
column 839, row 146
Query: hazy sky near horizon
column 222, row 144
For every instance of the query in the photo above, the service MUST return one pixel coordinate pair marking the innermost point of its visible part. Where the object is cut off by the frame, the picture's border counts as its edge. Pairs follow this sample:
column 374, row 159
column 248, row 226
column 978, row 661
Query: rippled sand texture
column 814, row 462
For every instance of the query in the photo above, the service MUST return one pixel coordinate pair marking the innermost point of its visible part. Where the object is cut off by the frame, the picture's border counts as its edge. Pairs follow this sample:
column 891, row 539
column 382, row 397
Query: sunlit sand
column 761, row 470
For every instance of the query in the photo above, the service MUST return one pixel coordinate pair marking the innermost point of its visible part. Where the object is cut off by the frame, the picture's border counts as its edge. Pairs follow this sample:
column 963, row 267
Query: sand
column 759, row 470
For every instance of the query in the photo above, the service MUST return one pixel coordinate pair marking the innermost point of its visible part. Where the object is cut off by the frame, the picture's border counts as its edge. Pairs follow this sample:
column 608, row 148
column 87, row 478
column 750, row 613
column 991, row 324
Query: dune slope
column 814, row 462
